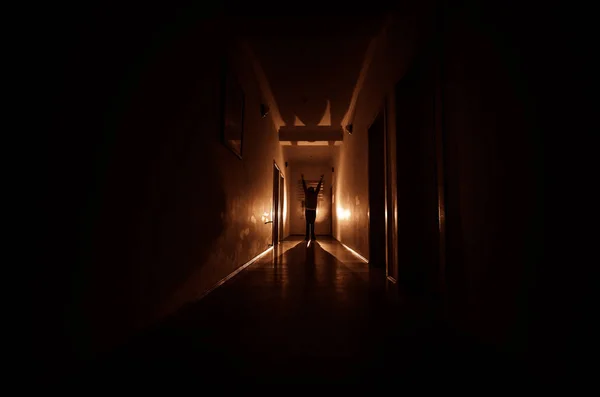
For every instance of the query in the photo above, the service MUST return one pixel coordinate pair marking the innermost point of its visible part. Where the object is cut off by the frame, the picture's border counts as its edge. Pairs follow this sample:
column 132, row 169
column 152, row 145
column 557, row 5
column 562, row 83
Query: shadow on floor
column 301, row 316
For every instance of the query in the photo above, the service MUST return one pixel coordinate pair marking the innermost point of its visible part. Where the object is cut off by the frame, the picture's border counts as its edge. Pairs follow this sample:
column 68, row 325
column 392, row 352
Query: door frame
column 380, row 116
column 331, row 209
column 391, row 192
column 276, row 205
column 281, row 205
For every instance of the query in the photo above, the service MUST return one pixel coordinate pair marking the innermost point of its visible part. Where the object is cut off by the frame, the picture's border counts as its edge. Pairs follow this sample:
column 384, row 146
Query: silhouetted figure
column 310, row 212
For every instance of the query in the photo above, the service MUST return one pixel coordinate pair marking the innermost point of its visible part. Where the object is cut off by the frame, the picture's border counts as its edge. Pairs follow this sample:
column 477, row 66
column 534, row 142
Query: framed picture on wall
column 232, row 111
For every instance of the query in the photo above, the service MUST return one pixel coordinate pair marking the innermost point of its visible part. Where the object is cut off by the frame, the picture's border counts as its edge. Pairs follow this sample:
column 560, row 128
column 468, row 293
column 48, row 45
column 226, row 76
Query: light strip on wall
column 355, row 253
column 235, row 272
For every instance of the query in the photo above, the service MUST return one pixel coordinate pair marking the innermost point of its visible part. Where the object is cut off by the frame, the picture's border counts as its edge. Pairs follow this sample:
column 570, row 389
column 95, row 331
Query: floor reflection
column 300, row 311
column 347, row 258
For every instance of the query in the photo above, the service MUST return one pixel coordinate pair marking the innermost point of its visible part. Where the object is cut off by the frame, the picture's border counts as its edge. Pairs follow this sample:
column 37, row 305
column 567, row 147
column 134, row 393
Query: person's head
column 311, row 189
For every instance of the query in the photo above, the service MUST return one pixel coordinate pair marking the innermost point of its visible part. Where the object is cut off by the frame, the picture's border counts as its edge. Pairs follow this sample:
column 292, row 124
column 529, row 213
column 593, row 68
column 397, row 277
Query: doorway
column 276, row 216
column 376, row 170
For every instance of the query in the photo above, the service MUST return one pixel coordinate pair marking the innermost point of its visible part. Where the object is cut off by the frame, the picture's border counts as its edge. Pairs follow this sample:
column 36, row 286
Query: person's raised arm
column 303, row 183
column 319, row 185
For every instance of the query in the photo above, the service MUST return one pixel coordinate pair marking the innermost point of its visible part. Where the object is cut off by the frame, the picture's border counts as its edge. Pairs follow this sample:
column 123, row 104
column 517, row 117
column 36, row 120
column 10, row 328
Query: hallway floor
column 300, row 314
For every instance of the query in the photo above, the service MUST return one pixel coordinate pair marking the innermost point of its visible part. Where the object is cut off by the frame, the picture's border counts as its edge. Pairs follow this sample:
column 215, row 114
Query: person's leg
column 307, row 218
column 311, row 217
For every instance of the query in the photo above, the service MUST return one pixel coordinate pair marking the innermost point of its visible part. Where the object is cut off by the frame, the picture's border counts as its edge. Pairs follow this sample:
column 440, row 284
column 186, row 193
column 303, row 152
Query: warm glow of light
column 232, row 274
column 265, row 216
column 313, row 143
column 298, row 122
column 308, row 244
column 322, row 213
column 326, row 119
column 356, row 253
column 342, row 213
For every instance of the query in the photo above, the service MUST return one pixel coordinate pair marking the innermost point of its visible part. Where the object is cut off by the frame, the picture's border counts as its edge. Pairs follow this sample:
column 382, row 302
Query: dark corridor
column 144, row 208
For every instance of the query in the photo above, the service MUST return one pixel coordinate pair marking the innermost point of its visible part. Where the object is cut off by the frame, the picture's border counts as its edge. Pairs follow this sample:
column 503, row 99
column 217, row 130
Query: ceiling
column 309, row 61
column 312, row 154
